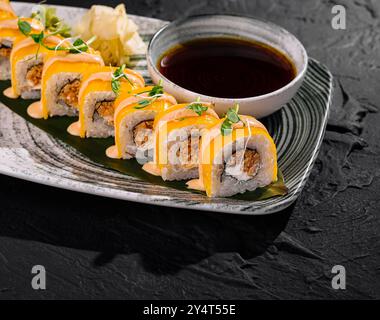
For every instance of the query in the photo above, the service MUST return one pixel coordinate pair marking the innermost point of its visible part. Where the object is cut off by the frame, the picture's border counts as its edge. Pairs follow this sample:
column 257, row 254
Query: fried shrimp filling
column 5, row 51
column 34, row 74
column 243, row 164
column 142, row 133
column 106, row 110
column 187, row 152
column 69, row 93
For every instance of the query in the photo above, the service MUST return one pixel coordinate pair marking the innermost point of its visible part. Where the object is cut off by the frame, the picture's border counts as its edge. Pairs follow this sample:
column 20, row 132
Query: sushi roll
column 6, row 10
column 27, row 61
column 96, row 99
column 61, row 80
column 236, row 155
column 134, row 117
column 9, row 33
column 178, row 133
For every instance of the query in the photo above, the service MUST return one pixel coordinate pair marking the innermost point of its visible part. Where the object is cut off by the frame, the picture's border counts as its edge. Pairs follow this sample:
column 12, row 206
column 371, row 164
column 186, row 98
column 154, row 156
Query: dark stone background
column 101, row 248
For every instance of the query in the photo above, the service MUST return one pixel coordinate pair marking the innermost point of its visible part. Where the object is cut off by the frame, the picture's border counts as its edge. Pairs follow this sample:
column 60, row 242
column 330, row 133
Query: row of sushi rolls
column 220, row 154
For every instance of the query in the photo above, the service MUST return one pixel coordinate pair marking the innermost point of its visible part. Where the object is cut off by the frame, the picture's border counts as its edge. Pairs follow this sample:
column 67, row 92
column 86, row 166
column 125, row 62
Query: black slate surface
column 100, row 248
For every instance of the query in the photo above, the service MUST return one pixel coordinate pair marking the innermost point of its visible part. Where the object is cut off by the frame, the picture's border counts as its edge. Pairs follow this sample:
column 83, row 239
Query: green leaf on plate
column 95, row 148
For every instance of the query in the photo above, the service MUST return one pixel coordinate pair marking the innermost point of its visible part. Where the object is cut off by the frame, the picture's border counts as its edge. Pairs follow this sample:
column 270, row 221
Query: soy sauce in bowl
column 227, row 67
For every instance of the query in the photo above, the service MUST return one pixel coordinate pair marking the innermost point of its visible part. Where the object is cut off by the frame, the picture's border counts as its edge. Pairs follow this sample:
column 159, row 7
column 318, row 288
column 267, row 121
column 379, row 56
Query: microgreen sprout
column 78, row 46
column 153, row 94
column 231, row 118
column 116, row 77
column 197, row 107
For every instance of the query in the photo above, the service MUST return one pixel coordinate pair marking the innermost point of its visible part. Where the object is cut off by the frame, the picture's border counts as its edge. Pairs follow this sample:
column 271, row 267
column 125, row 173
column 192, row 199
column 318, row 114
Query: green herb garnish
column 37, row 37
column 24, row 27
column 116, row 76
column 232, row 117
column 154, row 93
column 78, row 46
column 197, row 107
column 51, row 21
column 144, row 103
column 158, row 89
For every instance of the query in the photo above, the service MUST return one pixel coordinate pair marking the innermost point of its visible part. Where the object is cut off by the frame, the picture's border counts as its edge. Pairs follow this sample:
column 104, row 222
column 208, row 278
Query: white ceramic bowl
column 206, row 26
